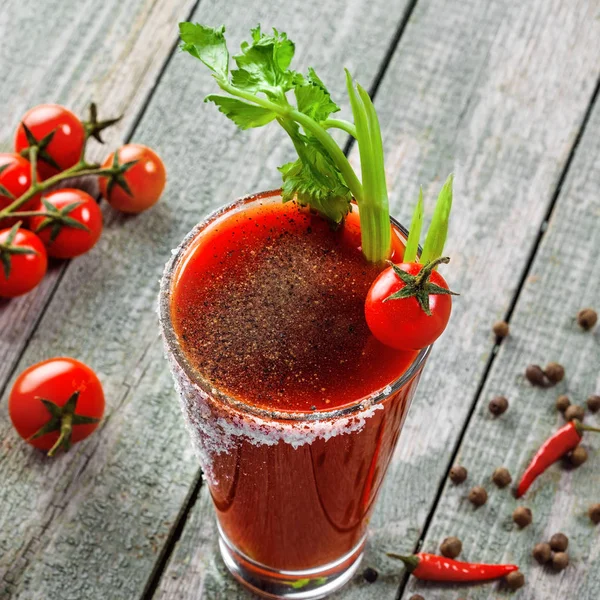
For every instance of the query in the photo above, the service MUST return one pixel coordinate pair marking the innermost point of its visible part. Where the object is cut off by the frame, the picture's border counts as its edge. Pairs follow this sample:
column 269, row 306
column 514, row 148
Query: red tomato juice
column 267, row 304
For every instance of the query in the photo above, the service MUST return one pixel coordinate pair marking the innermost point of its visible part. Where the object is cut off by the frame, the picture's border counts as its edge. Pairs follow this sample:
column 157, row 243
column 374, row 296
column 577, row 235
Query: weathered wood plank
column 472, row 88
column 72, row 53
column 91, row 524
column 564, row 278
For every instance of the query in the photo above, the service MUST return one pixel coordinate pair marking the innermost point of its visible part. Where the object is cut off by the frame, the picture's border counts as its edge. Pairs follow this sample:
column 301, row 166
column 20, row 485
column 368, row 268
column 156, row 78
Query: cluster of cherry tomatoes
column 63, row 223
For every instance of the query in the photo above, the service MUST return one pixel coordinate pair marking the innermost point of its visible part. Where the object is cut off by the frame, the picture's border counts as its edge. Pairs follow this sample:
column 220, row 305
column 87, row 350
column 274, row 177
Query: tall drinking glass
column 293, row 491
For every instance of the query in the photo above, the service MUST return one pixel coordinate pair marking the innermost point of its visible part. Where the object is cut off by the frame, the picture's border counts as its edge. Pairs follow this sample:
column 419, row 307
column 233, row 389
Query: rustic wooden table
column 505, row 94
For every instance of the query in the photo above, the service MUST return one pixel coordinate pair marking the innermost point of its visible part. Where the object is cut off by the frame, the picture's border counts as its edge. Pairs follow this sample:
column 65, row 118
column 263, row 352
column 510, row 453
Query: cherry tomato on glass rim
column 23, row 261
column 59, row 134
column 15, row 180
column 73, row 223
column 56, row 403
column 139, row 183
column 408, row 305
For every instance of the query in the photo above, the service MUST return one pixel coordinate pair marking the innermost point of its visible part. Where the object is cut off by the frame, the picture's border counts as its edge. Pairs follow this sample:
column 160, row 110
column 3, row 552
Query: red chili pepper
column 564, row 440
column 432, row 567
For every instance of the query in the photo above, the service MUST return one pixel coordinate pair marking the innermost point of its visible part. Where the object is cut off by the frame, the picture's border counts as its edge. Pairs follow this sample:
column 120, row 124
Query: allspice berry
column 501, row 477
column 575, row 412
column 515, row 580
column 578, row 456
column 560, row 561
column 559, row 542
column 542, row 553
column 458, row 474
column 554, row 372
column 498, row 405
column 593, row 403
column 535, row 375
column 587, row 318
column 451, row 547
column 478, row 496
column 562, row 403
column 594, row 513
column 500, row 329
column 522, row 516
column 370, row 575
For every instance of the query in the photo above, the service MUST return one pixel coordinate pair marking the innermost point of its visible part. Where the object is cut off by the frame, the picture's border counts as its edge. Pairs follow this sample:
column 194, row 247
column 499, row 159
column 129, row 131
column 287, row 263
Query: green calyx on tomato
column 93, row 127
column 136, row 179
column 41, row 145
column 62, row 419
column 419, row 286
column 117, row 177
column 58, row 218
column 9, row 249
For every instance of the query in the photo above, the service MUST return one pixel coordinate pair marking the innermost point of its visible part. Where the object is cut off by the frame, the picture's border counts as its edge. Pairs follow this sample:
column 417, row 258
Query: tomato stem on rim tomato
column 408, row 305
column 419, row 286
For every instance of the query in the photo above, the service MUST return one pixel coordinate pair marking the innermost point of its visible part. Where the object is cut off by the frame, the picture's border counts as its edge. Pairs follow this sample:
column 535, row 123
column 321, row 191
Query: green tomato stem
column 81, row 169
column 33, row 165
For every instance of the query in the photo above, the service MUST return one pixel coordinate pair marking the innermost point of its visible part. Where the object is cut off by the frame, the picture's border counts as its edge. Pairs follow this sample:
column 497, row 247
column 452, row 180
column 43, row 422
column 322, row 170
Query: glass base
column 309, row 584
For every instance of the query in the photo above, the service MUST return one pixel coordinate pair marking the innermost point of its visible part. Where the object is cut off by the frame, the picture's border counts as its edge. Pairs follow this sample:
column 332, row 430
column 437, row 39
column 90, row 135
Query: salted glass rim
column 196, row 377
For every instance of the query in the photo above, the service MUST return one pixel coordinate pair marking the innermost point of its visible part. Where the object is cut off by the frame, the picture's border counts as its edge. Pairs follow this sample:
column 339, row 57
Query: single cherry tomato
column 139, row 184
column 23, row 261
column 73, row 224
column 56, row 403
column 59, row 133
column 408, row 305
column 15, row 180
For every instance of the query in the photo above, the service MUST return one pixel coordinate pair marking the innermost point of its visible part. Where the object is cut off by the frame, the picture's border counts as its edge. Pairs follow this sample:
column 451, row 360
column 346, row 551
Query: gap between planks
column 185, row 513
column 490, row 362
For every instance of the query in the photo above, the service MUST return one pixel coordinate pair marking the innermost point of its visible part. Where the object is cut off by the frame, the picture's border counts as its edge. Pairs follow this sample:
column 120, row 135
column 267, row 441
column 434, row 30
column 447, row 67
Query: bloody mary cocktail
column 293, row 406
column 297, row 323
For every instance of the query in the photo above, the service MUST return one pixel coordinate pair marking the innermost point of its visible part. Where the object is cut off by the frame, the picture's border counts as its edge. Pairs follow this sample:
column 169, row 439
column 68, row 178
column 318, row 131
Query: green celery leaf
column 315, row 180
column 438, row 230
column 311, row 184
column 208, row 45
column 243, row 114
column 312, row 97
column 263, row 65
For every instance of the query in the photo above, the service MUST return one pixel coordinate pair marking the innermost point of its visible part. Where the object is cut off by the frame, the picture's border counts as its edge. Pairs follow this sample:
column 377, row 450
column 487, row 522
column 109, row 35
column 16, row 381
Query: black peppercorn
column 498, row 405
column 451, row 547
column 500, row 329
column 559, row 542
column 542, row 553
column 562, row 403
column 587, row 318
column 501, row 477
column 458, row 474
column 554, row 372
column 522, row 516
column 478, row 496
column 535, row 375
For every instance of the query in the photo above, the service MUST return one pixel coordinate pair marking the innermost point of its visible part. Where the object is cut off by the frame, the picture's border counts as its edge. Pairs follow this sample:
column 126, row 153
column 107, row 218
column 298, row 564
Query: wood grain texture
column 495, row 92
column 564, row 278
column 73, row 53
column 92, row 523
